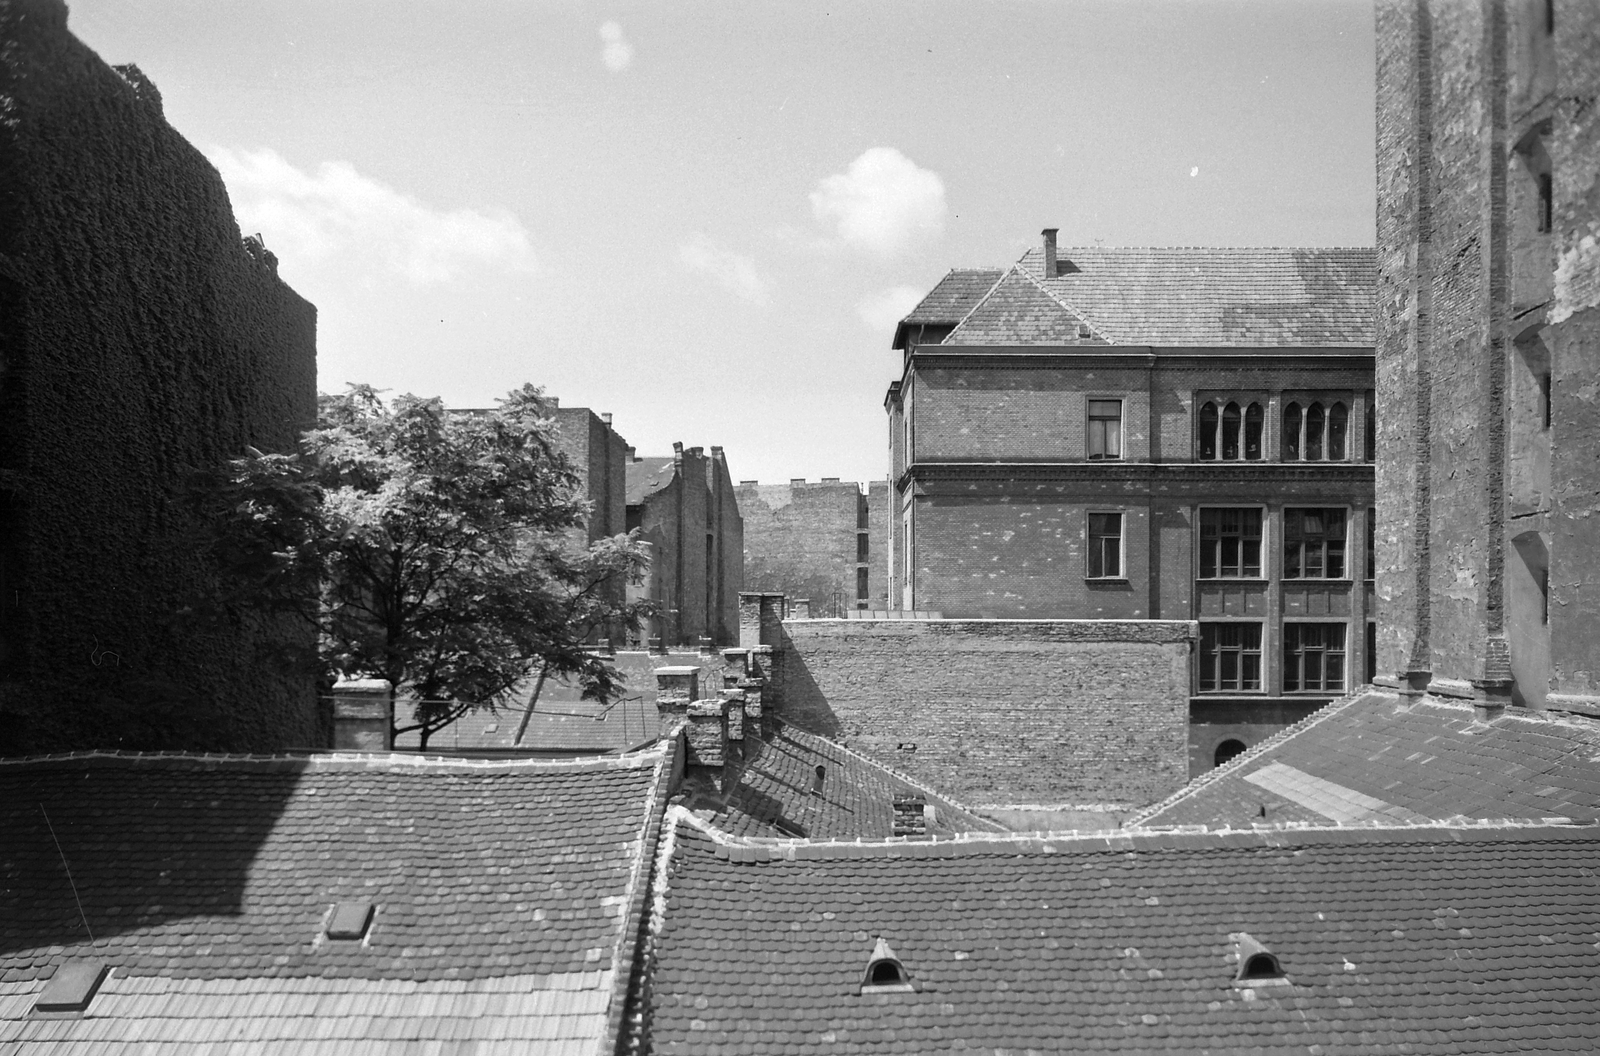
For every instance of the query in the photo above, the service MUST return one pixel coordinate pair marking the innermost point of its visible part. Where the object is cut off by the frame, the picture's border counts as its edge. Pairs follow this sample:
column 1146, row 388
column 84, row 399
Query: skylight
column 1258, row 966
column 350, row 920
column 885, row 973
column 72, row 987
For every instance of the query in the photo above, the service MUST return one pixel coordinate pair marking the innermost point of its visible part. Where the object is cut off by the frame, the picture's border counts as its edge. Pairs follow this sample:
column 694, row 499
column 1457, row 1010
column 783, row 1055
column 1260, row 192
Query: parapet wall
column 1002, row 711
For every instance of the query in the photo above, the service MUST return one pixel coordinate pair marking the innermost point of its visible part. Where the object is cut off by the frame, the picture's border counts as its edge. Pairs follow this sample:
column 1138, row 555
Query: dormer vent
column 1257, row 965
column 885, row 973
column 72, row 987
column 350, row 920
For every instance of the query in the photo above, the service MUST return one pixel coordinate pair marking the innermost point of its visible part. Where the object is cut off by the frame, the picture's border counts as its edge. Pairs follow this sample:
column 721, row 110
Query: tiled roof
column 567, row 726
column 647, row 476
column 1018, row 311
column 503, row 892
column 955, row 295
column 1183, row 297
column 773, row 797
column 1371, row 757
column 1412, row 940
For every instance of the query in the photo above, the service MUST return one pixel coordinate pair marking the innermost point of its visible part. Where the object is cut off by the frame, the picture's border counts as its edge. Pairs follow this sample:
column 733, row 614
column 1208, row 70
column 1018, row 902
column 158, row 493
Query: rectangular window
column 1372, row 652
column 1230, row 657
column 1230, row 543
column 1313, row 543
column 1372, row 545
column 861, row 588
column 1313, row 657
column 1105, row 428
column 1105, row 546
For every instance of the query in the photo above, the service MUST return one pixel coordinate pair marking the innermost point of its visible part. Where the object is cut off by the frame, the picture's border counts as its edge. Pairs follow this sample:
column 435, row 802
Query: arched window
column 1262, row 966
column 1371, row 451
column 1208, row 431
column 1338, row 423
column 885, row 973
column 1227, row 750
column 1230, row 431
column 1252, row 432
column 1291, row 433
column 1314, row 424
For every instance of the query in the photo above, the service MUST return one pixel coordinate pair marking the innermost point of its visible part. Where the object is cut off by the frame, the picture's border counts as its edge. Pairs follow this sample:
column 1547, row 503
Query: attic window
column 72, row 987
column 885, row 974
column 1258, row 966
column 350, row 920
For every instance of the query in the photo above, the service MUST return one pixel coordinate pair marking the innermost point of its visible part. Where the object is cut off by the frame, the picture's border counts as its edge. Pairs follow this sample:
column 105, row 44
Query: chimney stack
column 633, row 456
column 605, row 416
column 363, row 715
column 1049, row 252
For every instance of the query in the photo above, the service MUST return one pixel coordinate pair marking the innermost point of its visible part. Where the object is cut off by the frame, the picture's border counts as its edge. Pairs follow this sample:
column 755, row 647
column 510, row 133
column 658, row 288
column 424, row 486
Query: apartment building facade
column 1151, row 434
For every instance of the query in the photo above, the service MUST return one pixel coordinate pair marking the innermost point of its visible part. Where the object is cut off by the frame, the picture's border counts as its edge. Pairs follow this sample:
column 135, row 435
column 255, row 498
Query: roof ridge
column 900, row 775
column 343, row 760
column 1072, row 309
column 980, row 302
column 1249, row 755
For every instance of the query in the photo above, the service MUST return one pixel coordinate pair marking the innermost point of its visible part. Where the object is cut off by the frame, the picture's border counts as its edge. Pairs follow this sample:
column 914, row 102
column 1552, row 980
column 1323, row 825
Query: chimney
column 705, row 646
column 552, row 402
column 713, row 739
column 676, row 689
column 632, row 455
column 605, row 416
column 1049, row 252
column 363, row 715
column 911, row 813
column 801, row 609
column 677, row 453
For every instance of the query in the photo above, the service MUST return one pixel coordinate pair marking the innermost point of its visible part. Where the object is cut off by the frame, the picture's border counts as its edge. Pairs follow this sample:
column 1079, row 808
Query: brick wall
column 142, row 339
column 1001, row 712
column 881, row 516
column 800, row 539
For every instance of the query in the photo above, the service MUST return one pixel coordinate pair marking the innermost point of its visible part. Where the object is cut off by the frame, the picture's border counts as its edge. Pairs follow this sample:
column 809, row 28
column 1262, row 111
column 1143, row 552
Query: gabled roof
column 1412, row 940
column 1186, row 297
column 506, row 898
column 647, row 476
column 1018, row 311
column 773, row 797
column 1370, row 756
column 949, row 301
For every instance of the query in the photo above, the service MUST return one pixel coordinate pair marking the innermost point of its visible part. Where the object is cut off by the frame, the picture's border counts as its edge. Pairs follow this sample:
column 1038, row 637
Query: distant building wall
column 1001, row 711
column 1489, row 310
column 686, row 509
column 804, row 539
column 599, row 457
column 142, row 339
column 880, row 516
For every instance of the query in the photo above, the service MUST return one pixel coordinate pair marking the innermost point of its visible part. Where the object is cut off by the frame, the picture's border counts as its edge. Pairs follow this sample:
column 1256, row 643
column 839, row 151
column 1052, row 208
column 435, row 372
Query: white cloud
column 732, row 271
column 882, row 203
column 340, row 213
column 617, row 53
column 884, row 309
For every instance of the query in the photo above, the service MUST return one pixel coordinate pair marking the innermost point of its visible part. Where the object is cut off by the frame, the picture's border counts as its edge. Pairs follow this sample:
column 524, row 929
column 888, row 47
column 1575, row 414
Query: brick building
column 818, row 542
column 1144, row 434
column 1487, row 338
column 684, row 507
column 143, row 339
column 600, row 458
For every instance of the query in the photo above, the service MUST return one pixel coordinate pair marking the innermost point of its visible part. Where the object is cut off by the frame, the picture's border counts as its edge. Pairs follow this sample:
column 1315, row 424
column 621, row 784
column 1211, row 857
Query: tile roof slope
column 1018, row 311
column 1212, row 298
column 773, row 797
column 506, row 895
column 552, row 726
column 1370, row 754
column 954, row 296
column 647, row 476
column 1394, row 941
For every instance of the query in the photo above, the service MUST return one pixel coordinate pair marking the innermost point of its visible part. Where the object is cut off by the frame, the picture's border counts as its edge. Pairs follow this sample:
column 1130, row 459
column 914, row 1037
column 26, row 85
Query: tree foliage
column 442, row 551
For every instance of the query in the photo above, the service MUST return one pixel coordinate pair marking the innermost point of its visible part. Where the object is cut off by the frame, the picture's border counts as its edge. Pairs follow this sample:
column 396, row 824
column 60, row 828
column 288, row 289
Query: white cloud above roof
column 616, row 52
column 883, row 203
column 734, row 272
column 337, row 212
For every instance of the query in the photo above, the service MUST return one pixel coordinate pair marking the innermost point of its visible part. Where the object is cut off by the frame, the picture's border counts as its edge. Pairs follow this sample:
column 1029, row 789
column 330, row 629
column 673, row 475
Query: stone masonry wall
column 1001, row 712
column 141, row 339
column 800, row 539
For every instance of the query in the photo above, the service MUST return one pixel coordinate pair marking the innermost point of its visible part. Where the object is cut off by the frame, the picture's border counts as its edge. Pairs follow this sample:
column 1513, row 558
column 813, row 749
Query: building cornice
column 1143, row 472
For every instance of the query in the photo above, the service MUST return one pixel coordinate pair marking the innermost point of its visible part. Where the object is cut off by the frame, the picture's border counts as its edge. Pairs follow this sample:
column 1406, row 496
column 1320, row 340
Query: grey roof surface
column 1429, row 940
column 647, row 476
column 1183, row 297
column 1371, row 757
column 955, row 295
column 504, row 895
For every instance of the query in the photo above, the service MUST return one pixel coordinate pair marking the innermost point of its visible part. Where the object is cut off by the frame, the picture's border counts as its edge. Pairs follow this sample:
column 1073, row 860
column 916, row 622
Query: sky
column 706, row 218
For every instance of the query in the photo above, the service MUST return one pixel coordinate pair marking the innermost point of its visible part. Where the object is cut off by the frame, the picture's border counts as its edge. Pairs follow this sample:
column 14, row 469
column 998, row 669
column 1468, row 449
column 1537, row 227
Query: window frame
column 1210, row 431
column 1121, row 574
column 1204, row 658
column 1089, row 420
column 1298, row 670
column 1262, row 555
column 1284, row 547
column 1300, row 408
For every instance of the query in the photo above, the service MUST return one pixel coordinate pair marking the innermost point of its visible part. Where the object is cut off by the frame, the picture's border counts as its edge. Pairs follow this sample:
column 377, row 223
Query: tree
column 436, row 550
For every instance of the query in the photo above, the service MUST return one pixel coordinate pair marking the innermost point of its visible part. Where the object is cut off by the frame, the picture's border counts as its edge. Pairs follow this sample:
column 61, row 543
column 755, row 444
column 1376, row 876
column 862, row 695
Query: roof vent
column 885, row 974
column 350, row 920
column 1257, row 965
column 1084, row 330
column 817, row 780
column 72, row 987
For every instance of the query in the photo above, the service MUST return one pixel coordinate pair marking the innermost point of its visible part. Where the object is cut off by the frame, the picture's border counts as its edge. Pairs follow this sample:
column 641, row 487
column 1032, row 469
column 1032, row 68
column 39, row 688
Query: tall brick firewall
column 1002, row 711
column 141, row 340
column 801, row 539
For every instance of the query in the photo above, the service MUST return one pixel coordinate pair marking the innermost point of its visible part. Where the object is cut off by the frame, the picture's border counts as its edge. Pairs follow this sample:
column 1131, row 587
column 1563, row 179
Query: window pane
column 1250, row 670
column 1291, row 433
column 1230, row 431
column 1314, row 432
column 1338, row 422
column 1251, row 561
column 1105, row 428
column 1208, row 431
column 1114, row 439
column 1252, row 431
column 1230, row 556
